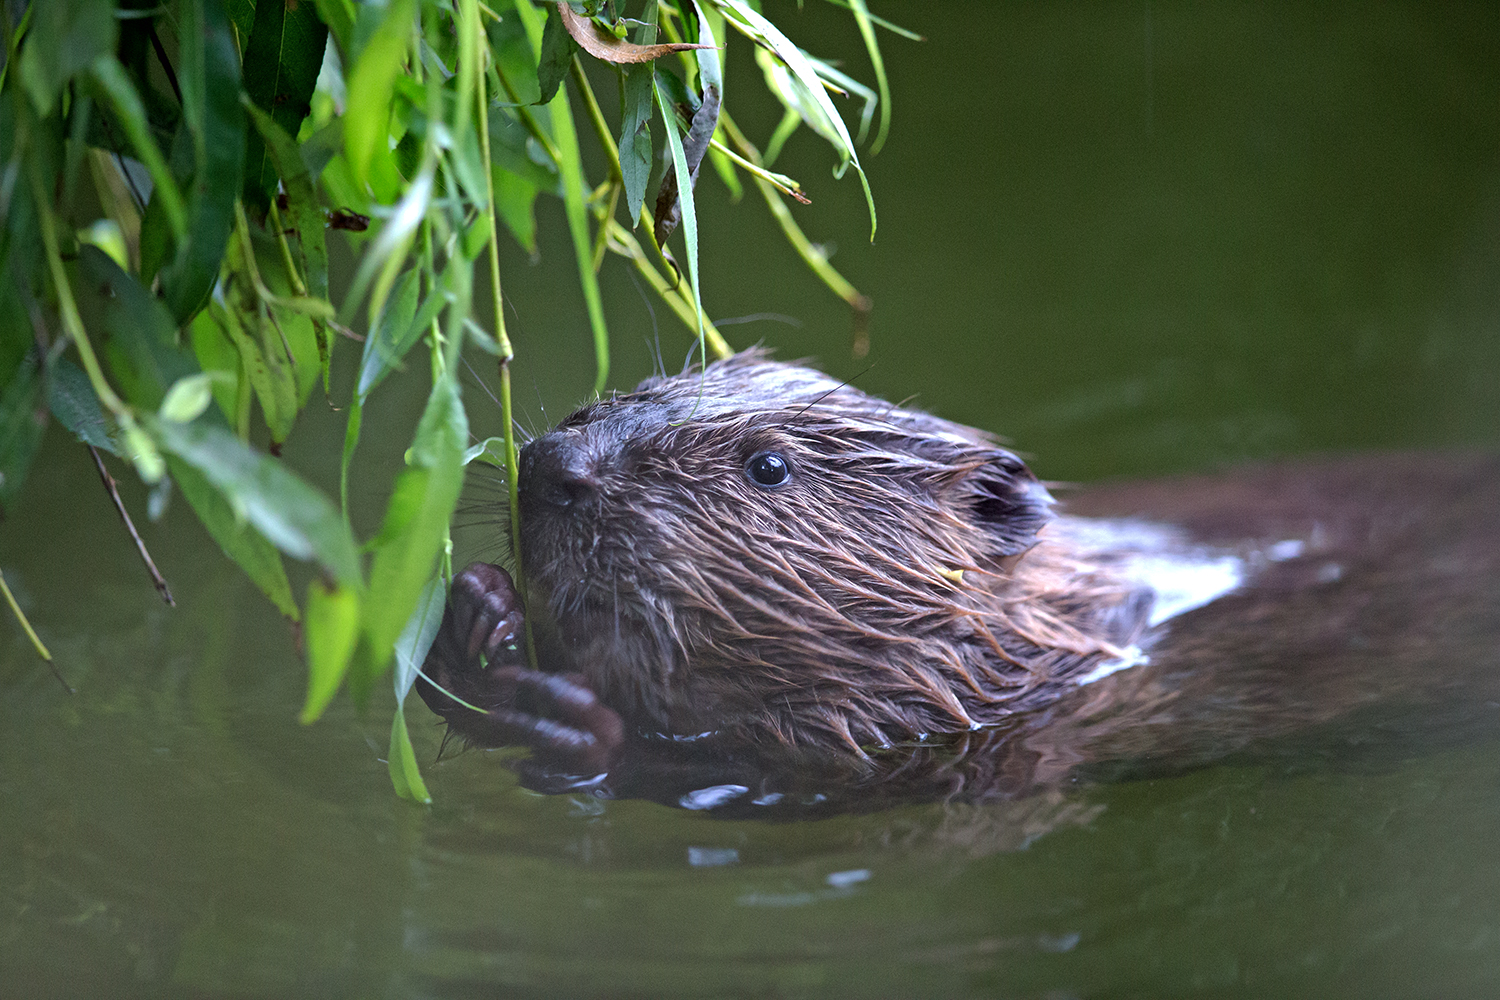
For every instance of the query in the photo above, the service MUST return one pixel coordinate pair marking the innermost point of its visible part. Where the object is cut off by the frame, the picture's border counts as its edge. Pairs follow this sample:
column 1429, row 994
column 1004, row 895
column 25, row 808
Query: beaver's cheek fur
column 898, row 582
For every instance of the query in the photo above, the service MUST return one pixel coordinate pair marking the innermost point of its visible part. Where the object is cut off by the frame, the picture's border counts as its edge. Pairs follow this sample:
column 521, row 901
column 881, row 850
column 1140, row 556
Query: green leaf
column 558, row 49
column 415, row 528
column 331, row 631
column 515, row 200
column 22, row 420
column 513, row 150
column 514, row 54
column 406, row 776
column 216, row 352
column 65, row 36
column 416, row 638
column 282, row 60
column 140, row 339
column 118, row 93
column 809, row 89
column 293, row 516
column 372, row 82
column 72, row 401
column 187, row 398
column 339, row 16
column 304, row 210
column 689, row 210
column 389, row 249
column 705, row 121
column 209, row 74
column 867, row 32
column 637, row 108
column 396, row 332
column 240, row 541
column 269, row 375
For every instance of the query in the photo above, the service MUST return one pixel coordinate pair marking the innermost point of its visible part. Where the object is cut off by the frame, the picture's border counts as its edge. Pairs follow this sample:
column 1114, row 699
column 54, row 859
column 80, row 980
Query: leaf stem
column 286, row 252
column 596, row 116
column 36, row 642
column 813, row 256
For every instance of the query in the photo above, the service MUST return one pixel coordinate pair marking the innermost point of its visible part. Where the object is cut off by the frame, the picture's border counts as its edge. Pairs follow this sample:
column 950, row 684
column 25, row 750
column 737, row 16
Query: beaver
column 754, row 561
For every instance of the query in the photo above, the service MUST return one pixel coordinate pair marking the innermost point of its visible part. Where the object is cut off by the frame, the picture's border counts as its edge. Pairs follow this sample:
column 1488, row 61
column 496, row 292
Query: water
column 1137, row 239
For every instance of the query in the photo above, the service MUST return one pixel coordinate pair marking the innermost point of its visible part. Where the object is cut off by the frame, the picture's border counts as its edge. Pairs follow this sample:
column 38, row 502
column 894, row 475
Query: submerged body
column 757, row 570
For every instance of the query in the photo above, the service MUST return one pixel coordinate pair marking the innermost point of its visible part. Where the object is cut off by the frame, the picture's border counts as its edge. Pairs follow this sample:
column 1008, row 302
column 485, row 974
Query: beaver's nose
column 556, row 471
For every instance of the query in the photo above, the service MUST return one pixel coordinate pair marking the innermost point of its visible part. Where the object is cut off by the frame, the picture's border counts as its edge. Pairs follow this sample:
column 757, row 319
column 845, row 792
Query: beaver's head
column 760, row 544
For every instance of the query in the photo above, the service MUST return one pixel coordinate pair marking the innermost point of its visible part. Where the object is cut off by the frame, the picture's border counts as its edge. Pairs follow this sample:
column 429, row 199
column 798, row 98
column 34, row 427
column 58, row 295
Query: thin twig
column 36, row 642
column 140, row 546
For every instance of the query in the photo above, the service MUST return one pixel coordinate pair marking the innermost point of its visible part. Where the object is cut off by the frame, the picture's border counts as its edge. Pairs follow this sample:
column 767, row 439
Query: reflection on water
column 1295, row 250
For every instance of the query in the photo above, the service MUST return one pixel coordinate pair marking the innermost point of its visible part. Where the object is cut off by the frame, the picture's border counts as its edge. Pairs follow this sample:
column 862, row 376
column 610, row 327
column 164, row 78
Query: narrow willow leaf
column 393, row 336
column 372, row 83
column 339, row 16
column 867, row 32
column 689, row 211
column 467, row 165
column 406, row 776
column 511, row 46
column 330, row 632
column 140, row 337
column 107, row 236
column 575, row 207
column 22, row 420
column 514, row 151
column 389, row 249
column 240, row 541
column 292, row 335
column 515, row 200
column 293, row 516
column 351, row 442
column 304, row 211
column 209, row 73
column 72, row 401
column 556, row 55
column 280, row 403
column 751, row 23
column 415, row 528
column 416, row 638
column 268, row 376
column 282, row 60
column 843, row 81
column 65, row 36
column 705, row 121
column 636, row 151
column 492, row 446
column 216, row 352
column 114, row 86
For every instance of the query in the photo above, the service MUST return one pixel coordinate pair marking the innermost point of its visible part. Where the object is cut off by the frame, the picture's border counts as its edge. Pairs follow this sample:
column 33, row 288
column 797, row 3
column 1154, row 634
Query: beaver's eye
column 768, row 469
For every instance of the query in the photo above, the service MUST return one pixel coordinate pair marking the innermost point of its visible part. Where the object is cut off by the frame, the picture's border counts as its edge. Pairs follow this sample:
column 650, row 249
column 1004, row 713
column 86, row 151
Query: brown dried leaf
column 602, row 45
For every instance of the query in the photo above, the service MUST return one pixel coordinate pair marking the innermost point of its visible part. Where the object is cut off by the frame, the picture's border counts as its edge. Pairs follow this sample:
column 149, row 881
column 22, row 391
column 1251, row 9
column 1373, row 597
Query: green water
column 1137, row 240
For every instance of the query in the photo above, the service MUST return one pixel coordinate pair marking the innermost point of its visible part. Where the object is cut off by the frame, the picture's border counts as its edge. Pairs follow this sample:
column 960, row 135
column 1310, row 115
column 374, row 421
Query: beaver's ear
column 1007, row 501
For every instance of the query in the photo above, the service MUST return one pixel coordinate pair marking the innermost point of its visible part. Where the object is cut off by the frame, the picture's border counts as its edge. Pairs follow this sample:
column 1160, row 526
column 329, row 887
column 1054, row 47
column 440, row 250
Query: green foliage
column 167, row 178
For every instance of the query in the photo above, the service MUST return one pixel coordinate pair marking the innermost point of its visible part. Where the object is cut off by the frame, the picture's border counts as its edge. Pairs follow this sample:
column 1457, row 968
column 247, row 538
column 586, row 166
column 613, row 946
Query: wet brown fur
column 901, row 584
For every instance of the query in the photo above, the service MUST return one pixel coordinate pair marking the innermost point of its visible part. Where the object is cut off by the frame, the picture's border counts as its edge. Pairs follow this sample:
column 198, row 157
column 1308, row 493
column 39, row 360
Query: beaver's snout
column 557, row 472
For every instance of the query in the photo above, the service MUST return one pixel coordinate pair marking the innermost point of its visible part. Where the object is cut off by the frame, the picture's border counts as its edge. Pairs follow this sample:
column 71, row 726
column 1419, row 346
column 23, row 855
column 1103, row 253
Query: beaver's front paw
column 481, row 631
column 476, row 658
